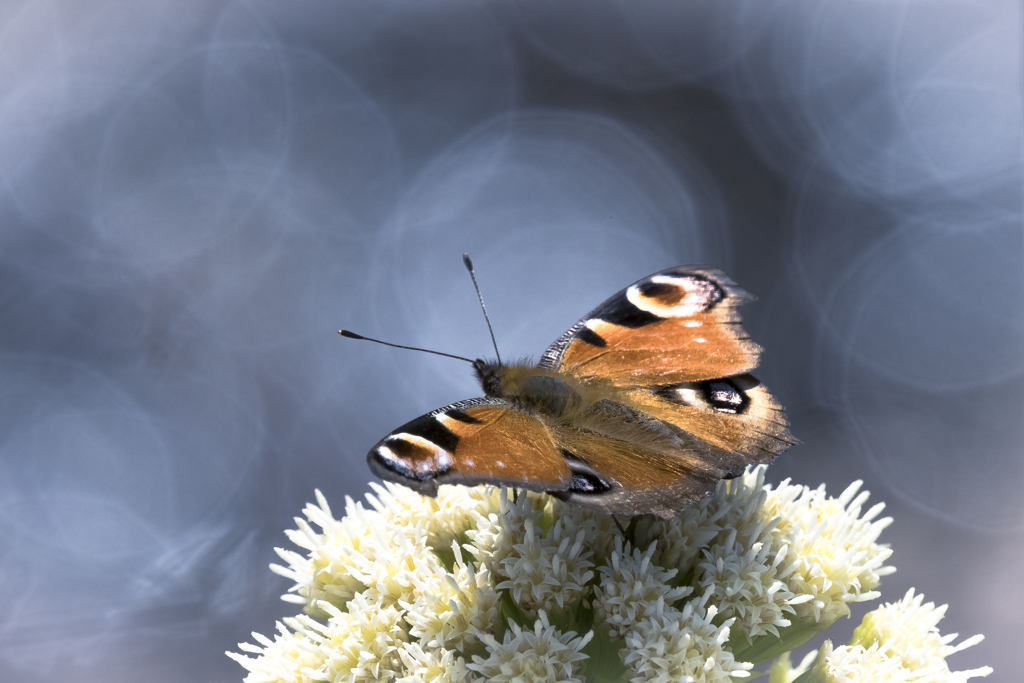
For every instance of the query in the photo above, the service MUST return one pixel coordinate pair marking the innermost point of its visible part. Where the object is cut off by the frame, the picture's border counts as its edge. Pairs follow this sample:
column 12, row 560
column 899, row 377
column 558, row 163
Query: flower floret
column 543, row 655
column 547, row 571
column 748, row 584
column 451, row 610
column 433, row 665
column 682, row 646
column 633, row 588
column 360, row 646
column 444, row 518
column 908, row 631
column 834, row 548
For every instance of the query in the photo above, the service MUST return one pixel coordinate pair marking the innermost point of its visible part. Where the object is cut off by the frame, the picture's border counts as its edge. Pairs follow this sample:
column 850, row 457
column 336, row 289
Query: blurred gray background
column 195, row 196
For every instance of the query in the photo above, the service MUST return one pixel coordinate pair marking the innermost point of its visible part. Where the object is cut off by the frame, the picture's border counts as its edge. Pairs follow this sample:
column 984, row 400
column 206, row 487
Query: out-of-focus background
column 195, row 196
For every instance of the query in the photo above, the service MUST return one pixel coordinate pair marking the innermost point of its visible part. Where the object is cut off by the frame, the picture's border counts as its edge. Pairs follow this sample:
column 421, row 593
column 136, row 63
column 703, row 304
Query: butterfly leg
column 614, row 519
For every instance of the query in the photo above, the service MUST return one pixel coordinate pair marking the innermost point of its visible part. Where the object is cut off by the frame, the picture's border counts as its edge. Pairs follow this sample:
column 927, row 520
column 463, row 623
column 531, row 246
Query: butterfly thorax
column 529, row 387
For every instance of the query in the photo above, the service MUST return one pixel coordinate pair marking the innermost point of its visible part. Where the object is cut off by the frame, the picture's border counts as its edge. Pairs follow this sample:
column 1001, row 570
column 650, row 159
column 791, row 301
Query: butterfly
column 641, row 407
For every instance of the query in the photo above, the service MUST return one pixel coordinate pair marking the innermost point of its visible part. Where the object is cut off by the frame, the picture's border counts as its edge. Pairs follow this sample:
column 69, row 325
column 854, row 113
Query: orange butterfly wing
column 677, row 325
column 643, row 464
column 477, row 441
column 735, row 414
column 672, row 346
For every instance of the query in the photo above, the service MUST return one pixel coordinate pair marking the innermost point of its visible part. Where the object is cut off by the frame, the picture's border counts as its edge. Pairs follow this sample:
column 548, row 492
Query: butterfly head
column 490, row 376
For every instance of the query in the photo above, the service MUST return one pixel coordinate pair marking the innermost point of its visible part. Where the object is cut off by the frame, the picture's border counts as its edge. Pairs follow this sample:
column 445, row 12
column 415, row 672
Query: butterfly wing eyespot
column 588, row 484
column 736, row 414
column 723, row 396
column 675, row 296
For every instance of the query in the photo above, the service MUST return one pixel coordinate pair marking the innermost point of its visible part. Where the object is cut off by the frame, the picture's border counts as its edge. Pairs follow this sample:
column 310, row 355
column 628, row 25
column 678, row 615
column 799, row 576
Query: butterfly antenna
column 469, row 267
column 353, row 335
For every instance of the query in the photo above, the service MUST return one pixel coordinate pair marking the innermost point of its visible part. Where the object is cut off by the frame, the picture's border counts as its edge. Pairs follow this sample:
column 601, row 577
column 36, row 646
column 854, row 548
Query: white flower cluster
column 787, row 560
column 543, row 654
column 898, row 642
column 682, row 646
column 482, row 585
column 361, row 646
column 634, row 589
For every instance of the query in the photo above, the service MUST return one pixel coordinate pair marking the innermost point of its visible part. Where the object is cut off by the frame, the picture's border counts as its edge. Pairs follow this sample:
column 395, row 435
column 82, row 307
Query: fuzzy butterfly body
column 640, row 407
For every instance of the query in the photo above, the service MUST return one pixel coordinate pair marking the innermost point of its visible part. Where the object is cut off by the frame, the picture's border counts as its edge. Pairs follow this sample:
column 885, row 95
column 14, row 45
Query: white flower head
column 361, row 646
column 394, row 566
column 444, row 518
column 747, row 583
column 543, row 655
column 682, row 647
column 451, row 610
column 547, row 571
column 496, row 533
column 633, row 588
column 433, row 665
column 413, row 589
column 838, row 559
column 289, row 657
column 908, row 630
column 322, row 574
column 362, row 550
column 897, row 642
column 856, row 663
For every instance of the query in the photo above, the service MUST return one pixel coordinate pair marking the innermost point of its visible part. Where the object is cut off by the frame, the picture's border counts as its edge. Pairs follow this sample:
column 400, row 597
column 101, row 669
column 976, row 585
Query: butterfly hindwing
column 736, row 414
column 477, row 441
column 677, row 325
column 643, row 473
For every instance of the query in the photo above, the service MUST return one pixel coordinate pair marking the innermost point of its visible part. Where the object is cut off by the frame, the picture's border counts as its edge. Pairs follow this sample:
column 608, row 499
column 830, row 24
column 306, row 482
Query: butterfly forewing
column 677, row 325
column 477, row 441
